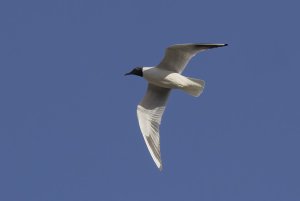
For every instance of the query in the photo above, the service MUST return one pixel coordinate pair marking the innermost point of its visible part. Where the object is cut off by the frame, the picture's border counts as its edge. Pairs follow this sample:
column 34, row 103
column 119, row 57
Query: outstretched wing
column 149, row 113
column 177, row 56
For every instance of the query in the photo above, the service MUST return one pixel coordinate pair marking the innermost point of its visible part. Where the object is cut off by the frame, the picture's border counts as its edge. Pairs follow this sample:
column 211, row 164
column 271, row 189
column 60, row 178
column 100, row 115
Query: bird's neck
column 144, row 68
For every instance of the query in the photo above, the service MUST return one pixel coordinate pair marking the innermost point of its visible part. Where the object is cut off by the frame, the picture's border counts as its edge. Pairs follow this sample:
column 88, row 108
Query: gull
column 161, row 80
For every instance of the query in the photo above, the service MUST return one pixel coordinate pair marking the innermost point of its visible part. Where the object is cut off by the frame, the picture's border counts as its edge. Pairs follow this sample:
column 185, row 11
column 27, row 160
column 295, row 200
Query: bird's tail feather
column 195, row 88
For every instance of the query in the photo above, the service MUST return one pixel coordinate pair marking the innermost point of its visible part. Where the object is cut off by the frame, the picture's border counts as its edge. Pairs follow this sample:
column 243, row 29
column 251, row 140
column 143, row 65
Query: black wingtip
column 210, row 45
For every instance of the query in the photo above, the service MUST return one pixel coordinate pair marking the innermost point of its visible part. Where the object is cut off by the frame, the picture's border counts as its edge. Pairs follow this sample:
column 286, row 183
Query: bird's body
column 171, row 80
column 161, row 80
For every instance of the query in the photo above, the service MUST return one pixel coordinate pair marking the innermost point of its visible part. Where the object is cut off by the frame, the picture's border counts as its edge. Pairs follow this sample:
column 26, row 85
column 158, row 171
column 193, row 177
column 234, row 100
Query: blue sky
column 68, row 127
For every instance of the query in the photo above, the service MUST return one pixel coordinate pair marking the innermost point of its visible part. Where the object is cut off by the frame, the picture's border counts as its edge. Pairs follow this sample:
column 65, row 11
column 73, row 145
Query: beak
column 128, row 73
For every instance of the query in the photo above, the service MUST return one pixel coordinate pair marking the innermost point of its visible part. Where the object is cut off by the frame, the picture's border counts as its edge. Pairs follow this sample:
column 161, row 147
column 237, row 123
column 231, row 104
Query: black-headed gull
column 161, row 79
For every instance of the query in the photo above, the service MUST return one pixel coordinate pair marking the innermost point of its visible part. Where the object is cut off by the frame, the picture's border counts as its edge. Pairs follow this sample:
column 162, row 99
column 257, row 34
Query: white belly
column 166, row 79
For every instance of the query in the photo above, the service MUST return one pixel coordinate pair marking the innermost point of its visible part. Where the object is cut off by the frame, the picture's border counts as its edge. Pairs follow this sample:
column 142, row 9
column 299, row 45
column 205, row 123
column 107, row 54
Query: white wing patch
column 149, row 123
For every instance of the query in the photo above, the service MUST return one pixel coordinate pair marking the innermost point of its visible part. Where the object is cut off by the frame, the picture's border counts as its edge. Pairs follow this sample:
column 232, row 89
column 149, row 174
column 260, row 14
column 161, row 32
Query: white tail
column 195, row 88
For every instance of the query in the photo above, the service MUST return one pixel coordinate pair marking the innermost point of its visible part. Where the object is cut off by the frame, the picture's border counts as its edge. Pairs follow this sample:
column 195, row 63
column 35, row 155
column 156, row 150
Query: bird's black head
column 136, row 71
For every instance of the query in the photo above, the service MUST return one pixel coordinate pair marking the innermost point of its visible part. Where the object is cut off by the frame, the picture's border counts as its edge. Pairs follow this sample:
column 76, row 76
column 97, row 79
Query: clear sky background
column 68, row 126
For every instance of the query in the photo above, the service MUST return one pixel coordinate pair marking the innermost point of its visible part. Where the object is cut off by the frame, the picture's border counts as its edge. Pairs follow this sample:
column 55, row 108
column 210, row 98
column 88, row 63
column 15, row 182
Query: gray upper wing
column 149, row 113
column 177, row 56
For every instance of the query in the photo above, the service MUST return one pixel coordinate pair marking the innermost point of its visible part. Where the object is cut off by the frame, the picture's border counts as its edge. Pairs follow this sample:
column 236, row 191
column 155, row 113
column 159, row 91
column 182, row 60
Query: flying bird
column 161, row 79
